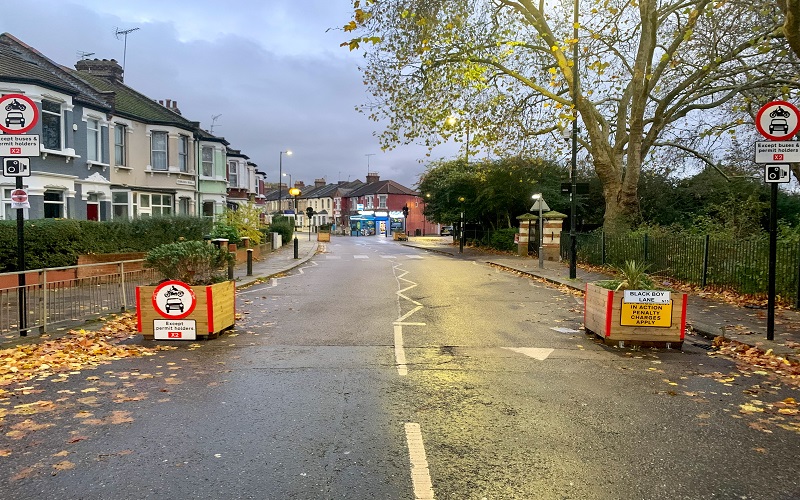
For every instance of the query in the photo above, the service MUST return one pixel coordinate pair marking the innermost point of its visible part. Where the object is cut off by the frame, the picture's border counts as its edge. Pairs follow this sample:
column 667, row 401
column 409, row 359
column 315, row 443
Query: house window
column 208, row 161
column 92, row 140
column 119, row 144
column 158, row 150
column 369, row 202
column 233, row 175
column 183, row 206
column 53, row 204
column 161, row 204
column 51, row 124
column 183, row 153
column 119, row 204
column 208, row 209
column 382, row 201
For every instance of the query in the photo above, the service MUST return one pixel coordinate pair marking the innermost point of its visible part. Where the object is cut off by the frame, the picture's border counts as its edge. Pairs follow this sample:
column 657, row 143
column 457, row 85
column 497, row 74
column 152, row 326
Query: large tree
column 683, row 74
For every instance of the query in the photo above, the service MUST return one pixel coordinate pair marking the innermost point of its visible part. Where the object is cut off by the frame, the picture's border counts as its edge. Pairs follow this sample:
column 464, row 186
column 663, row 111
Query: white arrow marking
column 534, row 352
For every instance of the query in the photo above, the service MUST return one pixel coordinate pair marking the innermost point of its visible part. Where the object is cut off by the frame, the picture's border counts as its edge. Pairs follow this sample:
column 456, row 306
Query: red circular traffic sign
column 174, row 299
column 18, row 113
column 19, row 196
column 778, row 120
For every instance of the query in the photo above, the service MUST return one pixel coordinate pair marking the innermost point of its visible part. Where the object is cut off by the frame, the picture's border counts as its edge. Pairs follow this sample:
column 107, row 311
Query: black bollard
column 230, row 265
column 249, row 261
column 296, row 248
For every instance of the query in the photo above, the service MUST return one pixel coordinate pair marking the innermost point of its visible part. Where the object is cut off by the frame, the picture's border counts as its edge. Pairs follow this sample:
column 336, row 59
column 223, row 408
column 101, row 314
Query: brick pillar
column 522, row 240
column 552, row 235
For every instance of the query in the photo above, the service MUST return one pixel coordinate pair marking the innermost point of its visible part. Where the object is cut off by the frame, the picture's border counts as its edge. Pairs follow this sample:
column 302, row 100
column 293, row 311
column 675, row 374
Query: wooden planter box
column 323, row 236
column 652, row 325
column 399, row 236
column 215, row 309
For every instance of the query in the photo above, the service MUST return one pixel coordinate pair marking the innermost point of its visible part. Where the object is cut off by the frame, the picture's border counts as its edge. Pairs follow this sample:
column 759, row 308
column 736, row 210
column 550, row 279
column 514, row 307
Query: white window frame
column 207, row 165
column 120, row 145
column 183, row 153
column 49, row 113
column 233, row 173
column 94, row 152
column 115, row 203
column 382, row 199
column 60, row 204
column 161, row 204
column 153, row 164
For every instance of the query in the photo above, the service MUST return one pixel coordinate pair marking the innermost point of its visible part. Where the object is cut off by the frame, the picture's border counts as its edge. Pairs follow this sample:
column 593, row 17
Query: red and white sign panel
column 19, row 199
column 174, row 299
column 778, row 120
column 19, row 145
column 18, row 114
column 174, row 329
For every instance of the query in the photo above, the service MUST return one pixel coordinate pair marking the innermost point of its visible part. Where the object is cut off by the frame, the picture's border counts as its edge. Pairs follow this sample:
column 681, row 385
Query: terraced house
column 108, row 151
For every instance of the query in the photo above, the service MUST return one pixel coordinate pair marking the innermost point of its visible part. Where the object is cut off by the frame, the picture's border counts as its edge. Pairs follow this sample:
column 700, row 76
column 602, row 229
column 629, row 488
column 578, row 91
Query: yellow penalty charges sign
column 646, row 308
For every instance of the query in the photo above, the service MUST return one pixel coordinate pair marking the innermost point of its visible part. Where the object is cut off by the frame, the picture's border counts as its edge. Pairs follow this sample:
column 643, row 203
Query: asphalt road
column 381, row 371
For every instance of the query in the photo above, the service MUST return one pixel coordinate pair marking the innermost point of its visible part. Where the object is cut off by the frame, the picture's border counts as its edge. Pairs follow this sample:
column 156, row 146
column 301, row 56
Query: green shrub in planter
column 633, row 276
column 193, row 262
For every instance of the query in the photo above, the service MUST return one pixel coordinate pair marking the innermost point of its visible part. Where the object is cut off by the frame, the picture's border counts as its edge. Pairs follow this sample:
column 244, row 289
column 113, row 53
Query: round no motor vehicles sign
column 778, row 120
column 174, row 299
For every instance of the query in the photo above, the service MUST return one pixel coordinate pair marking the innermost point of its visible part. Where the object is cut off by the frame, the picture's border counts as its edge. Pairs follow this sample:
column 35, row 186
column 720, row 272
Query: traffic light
column 405, row 211
column 309, row 212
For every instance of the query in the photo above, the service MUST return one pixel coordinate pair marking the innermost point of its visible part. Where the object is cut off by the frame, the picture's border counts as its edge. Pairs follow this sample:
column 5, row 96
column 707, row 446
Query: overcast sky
column 270, row 69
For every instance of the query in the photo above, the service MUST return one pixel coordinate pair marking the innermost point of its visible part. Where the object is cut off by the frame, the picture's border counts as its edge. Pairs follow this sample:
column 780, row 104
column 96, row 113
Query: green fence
column 738, row 265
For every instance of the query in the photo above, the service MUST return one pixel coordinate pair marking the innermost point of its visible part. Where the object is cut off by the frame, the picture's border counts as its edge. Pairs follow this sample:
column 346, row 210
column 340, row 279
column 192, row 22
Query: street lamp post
column 295, row 192
column 280, row 181
column 573, row 192
column 540, row 203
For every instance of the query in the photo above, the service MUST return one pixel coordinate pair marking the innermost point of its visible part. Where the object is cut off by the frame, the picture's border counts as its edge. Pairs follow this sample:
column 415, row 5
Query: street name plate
column 777, row 151
column 19, row 145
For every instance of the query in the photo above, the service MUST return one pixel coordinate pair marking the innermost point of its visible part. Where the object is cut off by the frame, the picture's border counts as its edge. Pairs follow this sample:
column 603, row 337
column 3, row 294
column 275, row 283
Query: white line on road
column 399, row 353
column 420, row 475
column 408, row 323
column 361, row 256
column 534, row 352
column 409, row 313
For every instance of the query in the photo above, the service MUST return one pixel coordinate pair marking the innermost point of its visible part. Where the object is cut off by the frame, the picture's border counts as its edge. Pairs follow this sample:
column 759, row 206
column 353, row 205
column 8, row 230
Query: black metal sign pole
column 21, row 300
column 773, row 255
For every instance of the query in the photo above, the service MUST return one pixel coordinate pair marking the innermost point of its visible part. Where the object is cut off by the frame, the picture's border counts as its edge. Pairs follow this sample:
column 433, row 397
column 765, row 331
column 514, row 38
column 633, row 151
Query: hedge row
column 59, row 242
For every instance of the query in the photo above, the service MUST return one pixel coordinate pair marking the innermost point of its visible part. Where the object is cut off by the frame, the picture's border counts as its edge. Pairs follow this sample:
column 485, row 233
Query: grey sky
column 277, row 78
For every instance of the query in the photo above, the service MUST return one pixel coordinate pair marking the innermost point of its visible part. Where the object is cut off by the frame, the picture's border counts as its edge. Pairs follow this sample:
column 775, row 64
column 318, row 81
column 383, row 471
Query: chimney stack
column 373, row 177
column 104, row 68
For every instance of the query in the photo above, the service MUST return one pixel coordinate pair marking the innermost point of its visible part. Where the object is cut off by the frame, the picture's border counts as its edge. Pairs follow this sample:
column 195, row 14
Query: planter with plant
column 324, row 232
column 632, row 309
column 194, row 299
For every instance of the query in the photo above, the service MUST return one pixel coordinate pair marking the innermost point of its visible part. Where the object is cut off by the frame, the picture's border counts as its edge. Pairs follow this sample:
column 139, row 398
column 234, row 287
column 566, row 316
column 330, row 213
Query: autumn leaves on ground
column 30, row 400
column 67, row 389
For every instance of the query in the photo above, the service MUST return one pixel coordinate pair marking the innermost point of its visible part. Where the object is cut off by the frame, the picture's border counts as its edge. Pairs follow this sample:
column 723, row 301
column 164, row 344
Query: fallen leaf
column 65, row 465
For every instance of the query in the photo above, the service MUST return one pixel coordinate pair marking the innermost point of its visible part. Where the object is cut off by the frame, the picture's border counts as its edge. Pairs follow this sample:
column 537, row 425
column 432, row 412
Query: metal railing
column 58, row 298
column 738, row 265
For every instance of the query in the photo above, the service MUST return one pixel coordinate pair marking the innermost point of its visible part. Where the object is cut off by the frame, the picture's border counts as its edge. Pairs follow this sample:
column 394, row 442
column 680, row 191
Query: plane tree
column 652, row 75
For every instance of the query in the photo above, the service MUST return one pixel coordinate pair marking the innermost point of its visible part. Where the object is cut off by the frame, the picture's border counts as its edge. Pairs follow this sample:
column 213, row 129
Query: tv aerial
column 213, row 120
column 84, row 55
column 124, row 33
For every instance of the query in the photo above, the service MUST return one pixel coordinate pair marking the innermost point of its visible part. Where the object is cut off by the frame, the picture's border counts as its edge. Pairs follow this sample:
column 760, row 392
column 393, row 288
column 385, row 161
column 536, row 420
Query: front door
column 92, row 211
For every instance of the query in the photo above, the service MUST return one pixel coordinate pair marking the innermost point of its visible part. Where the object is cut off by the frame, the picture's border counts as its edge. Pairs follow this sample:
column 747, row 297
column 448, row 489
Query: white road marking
column 409, row 313
column 388, row 256
column 534, row 352
column 399, row 352
column 361, row 256
column 407, row 323
column 562, row 329
column 333, row 256
column 420, row 475
column 416, row 257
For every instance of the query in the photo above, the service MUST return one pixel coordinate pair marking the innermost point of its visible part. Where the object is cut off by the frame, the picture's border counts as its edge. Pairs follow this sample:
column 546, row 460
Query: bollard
column 249, row 261
column 230, row 265
column 296, row 248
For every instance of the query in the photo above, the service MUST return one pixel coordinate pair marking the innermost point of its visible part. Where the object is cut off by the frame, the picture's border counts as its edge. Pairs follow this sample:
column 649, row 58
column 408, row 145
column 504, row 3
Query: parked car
column 446, row 231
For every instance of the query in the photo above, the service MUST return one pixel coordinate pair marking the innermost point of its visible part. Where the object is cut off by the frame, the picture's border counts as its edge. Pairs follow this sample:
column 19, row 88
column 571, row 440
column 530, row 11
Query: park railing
column 71, row 294
column 738, row 265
